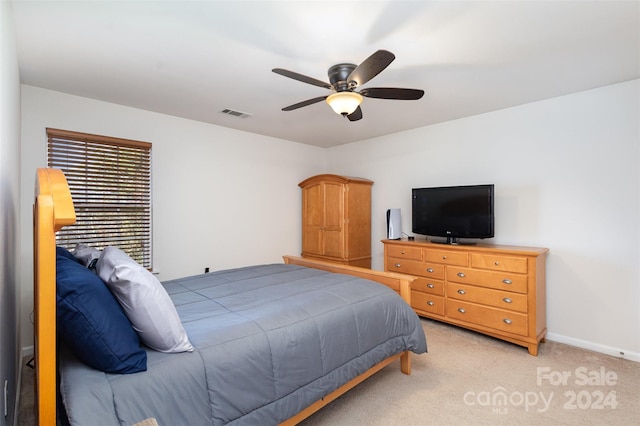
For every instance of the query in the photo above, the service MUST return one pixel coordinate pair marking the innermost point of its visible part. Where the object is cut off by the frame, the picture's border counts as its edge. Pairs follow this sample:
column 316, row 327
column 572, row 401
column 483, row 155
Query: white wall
column 9, row 215
column 221, row 198
column 566, row 173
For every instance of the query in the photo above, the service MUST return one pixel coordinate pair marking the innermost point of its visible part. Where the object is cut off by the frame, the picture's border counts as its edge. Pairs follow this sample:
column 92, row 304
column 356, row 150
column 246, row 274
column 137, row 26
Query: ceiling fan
column 345, row 78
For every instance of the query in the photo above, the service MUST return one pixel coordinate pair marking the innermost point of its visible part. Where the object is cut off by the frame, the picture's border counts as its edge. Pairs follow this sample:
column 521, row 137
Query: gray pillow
column 144, row 300
column 88, row 256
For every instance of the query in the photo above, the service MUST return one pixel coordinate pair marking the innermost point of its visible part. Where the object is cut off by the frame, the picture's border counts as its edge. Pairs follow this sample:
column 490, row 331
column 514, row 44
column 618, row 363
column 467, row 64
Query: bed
column 271, row 344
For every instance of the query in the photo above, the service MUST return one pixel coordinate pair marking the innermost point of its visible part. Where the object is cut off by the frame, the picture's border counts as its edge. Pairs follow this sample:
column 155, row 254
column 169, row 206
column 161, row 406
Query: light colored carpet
column 471, row 379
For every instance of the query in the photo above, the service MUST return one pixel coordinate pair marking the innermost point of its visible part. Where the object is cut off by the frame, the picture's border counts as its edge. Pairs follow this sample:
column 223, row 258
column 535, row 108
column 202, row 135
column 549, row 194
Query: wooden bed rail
column 399, row 282
column 52, row 210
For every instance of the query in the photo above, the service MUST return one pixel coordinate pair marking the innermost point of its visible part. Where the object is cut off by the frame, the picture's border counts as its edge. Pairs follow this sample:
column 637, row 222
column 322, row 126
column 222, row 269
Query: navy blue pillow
column 91, row 321
column 61, row 251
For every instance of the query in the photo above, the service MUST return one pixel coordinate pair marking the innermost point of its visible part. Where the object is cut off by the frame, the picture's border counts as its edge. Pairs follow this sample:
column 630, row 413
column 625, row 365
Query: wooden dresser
column 496, row 290
column 336, row 219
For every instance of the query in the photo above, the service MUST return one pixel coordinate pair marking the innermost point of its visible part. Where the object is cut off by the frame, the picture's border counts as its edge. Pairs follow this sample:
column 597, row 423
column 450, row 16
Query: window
column 110, row 183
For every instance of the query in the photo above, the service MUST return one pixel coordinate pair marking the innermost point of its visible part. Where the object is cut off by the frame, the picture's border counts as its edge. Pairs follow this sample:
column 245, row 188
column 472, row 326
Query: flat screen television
column 453, row 212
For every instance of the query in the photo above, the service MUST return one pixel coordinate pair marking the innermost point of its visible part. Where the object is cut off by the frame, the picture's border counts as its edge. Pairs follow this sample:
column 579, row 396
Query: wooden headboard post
column 52, row 210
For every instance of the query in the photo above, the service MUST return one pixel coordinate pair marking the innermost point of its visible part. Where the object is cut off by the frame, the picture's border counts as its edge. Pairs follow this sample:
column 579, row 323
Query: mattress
column 269, row 341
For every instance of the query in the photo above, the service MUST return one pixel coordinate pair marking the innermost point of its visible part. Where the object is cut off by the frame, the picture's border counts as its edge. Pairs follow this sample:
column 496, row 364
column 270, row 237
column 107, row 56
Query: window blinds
column 110, row 183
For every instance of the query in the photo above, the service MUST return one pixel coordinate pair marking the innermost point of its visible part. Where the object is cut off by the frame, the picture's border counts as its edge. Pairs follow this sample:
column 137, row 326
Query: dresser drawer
column 447, row 257
column 495, row 318
column 428, row 285
column 413, row 267
column 499, row 299
column 499, row 263
column 427, row 302
column 506, row 281
column 402, row 252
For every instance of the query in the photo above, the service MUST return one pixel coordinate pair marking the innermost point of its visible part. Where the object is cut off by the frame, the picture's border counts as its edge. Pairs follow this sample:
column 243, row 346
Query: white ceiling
column 193, row 59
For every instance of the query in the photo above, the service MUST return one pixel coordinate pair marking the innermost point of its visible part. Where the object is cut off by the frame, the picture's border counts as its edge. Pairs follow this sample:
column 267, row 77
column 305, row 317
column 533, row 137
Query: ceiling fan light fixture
column 344, row 103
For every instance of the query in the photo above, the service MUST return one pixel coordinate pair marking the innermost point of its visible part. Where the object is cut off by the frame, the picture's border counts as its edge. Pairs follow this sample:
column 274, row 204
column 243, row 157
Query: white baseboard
column 596, row 347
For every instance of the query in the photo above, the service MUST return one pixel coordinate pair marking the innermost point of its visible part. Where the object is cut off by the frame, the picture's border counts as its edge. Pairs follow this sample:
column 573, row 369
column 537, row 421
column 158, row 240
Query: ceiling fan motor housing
column 338, row 76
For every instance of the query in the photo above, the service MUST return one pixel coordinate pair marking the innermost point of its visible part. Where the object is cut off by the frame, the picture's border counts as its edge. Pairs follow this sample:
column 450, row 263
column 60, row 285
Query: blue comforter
column 270, row 340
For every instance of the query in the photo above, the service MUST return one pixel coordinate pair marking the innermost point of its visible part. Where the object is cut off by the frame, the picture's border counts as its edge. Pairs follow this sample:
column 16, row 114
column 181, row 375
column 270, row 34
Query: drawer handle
column 430, row 303
column 461, row 274
column 507, row 300
column 496, row 263
column 430, row 285
column 403, row 252
column 462, row 292
column 507, row 321
column 444, row 257
column 506, row 281
column 430, row 270
column 397, row 265
column 461, row 310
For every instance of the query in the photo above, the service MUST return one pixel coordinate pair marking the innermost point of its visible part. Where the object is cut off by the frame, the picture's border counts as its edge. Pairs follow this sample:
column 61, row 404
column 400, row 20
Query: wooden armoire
column 336, row 219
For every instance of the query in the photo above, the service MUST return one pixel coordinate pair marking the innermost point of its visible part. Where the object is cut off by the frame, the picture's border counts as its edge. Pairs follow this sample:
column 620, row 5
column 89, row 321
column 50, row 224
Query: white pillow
column 144, row 300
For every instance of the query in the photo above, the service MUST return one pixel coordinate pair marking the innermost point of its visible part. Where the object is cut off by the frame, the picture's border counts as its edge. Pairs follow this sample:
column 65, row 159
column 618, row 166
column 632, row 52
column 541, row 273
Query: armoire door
column 313, row 219
column 333, row 232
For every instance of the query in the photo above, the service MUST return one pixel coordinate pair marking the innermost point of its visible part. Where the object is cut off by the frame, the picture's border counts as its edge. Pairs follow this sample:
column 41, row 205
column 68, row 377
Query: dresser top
column 498, row 248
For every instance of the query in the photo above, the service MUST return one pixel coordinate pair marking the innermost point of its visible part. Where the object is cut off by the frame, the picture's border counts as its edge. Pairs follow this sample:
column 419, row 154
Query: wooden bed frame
column 52, row 210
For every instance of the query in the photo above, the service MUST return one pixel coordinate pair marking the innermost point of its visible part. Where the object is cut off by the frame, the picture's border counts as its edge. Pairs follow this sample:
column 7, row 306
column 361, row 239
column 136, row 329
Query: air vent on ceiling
column 235, row 113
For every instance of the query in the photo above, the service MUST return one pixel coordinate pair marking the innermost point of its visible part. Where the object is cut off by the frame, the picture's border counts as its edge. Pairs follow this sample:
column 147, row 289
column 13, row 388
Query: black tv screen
column 453, row 212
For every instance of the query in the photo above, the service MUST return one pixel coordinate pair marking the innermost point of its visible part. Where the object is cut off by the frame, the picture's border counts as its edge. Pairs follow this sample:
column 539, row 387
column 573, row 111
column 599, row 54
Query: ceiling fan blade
column 302, row 78
column 371, row 67
column 392, row 93
column 355, row 115
column 304, row 103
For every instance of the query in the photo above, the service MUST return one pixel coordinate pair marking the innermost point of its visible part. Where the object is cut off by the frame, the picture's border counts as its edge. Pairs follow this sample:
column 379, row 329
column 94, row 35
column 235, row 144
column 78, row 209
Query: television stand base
column 454, row 242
